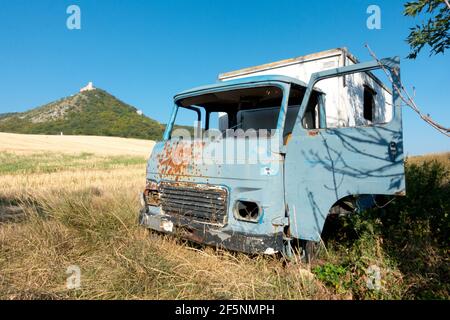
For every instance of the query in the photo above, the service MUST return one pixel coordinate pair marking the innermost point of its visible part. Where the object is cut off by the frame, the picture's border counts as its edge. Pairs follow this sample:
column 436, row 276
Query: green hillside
column 5, row 115
column 93, row 112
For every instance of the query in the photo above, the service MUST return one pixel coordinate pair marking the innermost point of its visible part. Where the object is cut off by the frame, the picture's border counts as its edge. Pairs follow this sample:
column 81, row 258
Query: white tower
column 89, row 87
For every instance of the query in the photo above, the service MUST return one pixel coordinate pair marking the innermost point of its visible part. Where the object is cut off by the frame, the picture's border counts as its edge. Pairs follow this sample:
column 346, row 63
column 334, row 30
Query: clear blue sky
column 144, row 51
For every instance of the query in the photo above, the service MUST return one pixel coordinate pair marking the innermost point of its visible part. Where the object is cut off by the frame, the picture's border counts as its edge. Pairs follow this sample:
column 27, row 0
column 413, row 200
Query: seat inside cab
column 267, row 117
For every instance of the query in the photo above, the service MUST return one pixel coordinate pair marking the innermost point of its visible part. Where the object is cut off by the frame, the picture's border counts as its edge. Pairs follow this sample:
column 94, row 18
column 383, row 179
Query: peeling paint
column 167, row 226
column 270, row 251
column 222, row 236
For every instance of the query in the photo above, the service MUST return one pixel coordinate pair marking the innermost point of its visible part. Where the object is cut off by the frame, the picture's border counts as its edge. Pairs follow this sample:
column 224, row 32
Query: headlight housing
column 247, row 211
column 151, row 193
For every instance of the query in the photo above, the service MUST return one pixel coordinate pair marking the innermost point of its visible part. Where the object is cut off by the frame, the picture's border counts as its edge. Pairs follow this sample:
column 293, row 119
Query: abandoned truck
column 270, row 156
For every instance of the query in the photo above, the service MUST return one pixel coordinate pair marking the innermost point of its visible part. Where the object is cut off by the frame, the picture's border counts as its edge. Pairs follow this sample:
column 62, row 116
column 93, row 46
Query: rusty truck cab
column 258, row 167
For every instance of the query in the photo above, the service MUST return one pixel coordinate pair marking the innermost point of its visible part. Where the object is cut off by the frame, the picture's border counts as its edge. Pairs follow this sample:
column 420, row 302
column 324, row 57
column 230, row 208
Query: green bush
column 408, row 240
column 332, row 275
column 423, row 215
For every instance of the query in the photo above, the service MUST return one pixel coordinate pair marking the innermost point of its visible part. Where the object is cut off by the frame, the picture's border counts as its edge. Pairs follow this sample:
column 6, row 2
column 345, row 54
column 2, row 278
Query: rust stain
column 180, row 159
column 400, row 193
column 313, row 133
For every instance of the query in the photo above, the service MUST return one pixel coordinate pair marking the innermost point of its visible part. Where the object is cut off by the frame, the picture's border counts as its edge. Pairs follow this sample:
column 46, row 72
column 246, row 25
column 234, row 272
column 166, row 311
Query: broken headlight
column 247, row 210
column 151, row 193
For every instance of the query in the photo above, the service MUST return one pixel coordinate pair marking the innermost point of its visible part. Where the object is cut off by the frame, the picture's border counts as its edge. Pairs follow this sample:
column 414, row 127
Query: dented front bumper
column 210, row 234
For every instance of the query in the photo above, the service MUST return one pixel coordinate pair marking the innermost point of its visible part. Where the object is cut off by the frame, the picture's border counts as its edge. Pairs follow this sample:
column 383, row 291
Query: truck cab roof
column 246, row 82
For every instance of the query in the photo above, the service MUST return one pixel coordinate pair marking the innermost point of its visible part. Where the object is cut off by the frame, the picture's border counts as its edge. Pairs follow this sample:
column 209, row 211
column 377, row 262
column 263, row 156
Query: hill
column 94, row 112
column 5, row 115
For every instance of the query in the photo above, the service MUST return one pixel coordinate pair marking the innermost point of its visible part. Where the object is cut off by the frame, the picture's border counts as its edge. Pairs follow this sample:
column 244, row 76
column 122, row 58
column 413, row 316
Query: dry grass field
column 76, row 203
column 60, row 208
column 443, row 158
column 29, row 144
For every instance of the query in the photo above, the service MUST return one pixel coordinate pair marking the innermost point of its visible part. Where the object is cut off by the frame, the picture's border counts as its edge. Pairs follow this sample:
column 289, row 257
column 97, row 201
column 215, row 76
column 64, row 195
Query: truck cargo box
column 353, row 100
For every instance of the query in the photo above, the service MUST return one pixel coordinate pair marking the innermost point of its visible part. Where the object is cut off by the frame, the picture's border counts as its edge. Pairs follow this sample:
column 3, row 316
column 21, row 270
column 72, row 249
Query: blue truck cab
column 260, row 169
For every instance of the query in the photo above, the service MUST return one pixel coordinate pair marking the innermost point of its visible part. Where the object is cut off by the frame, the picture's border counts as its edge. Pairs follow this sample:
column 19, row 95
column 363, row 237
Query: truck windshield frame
column 283, row 86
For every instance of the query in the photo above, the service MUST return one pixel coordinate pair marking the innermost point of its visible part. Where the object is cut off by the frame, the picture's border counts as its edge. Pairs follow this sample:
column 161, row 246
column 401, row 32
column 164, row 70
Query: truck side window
column 213, row 121
column 369, row 103
column 312, row 115
column 295, row 99
column 185, row 122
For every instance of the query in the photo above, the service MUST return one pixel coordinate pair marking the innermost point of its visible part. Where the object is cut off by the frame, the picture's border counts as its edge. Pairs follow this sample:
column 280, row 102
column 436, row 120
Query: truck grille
column 202, row 202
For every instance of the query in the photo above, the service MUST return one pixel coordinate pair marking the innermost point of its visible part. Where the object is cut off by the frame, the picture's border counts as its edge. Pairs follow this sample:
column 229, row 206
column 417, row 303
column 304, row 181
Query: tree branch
column 447, row 3
column 408, row 100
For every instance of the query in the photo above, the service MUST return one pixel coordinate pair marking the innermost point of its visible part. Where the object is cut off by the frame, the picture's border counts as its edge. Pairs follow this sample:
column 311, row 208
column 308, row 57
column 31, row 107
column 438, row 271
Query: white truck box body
column 344, row 96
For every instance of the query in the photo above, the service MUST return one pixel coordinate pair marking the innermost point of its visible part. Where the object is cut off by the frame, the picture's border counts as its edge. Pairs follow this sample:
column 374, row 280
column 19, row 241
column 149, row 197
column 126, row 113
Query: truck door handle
column 393, row 149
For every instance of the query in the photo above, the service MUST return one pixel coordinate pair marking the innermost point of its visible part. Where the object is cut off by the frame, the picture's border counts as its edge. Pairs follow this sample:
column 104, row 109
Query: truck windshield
column 253, row 108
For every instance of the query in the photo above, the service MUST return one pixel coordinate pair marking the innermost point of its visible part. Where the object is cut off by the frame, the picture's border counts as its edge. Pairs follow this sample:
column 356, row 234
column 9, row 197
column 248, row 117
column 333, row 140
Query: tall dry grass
column 88, row 218
column 82, row 210
column 443, row 158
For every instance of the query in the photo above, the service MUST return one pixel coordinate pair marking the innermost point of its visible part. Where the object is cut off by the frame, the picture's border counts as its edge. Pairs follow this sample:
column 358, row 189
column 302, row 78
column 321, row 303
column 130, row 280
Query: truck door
column 325, row 165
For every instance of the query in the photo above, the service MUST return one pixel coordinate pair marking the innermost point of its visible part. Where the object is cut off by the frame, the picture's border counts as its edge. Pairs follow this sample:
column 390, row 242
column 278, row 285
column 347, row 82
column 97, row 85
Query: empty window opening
column 369, row 103
column 312, row 113
column 251, row 108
